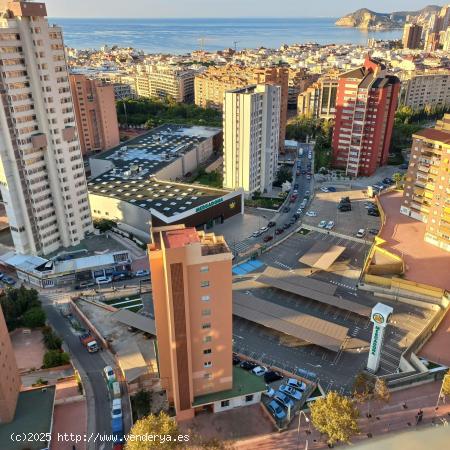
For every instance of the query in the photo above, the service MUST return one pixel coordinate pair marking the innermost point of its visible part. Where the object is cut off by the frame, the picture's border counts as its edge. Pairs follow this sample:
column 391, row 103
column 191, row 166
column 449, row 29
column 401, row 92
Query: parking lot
column 349, row 222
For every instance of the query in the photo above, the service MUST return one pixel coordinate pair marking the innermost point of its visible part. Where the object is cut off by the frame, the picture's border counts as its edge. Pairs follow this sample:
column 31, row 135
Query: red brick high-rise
column 365, row 108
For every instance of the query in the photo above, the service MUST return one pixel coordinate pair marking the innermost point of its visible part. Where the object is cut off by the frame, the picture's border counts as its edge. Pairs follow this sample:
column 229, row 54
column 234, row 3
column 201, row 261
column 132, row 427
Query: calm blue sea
column 179, row 36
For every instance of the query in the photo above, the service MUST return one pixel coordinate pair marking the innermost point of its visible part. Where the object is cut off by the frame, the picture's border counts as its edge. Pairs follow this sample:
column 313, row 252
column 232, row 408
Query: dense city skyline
column 215, row 9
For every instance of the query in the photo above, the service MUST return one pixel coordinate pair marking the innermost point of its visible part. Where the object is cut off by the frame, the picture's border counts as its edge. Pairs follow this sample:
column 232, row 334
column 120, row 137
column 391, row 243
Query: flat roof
column 34, row 414
column 244, row 383
column 151, row 151
column 138, row 321
column 303, row 326
column 322, row 255
column 131, row 361
column 310, row 288
column 166, row 197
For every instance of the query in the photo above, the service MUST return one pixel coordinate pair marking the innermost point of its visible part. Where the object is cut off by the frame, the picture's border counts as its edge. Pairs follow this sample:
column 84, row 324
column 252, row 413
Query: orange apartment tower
column 9, row 379
column 192, row 296
column 95, row 109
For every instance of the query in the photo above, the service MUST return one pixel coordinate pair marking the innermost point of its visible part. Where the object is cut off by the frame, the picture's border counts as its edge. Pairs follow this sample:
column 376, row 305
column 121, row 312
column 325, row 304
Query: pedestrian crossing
column 282, row 265
column 242, row 246
column 346, row 286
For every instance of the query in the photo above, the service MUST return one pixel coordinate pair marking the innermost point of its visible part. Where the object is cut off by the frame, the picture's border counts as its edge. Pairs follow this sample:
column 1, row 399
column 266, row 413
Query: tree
column 34, row 317
column 284, row 174
column 155, row 425
column 141, row 403
column 55, row 358
column 51, row 340
column 336, row 416
column 446, row 384
column 15, row 302
column 381, row 391
column 397, row 177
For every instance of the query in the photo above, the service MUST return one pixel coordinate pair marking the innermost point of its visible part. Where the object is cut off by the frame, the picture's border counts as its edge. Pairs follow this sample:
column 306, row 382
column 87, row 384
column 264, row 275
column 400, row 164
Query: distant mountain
column 370, row 20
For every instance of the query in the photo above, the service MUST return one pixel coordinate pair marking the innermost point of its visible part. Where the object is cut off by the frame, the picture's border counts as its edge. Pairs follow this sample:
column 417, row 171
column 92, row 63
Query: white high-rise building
column 42, row 178
column 251, row 137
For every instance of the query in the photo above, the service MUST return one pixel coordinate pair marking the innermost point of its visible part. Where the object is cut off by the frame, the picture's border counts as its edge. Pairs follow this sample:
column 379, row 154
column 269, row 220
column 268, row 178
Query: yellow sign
column 378, row 318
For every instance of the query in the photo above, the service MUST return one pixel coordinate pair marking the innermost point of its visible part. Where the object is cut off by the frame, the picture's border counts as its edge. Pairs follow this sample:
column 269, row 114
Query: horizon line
column 191, row 18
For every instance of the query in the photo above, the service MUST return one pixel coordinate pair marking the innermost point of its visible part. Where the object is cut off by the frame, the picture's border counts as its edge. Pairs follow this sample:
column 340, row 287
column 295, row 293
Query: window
column 207, row 376
column 225, row 403
column 205, row 298
column 207, row 364
column 207, row 339
column 249, row 398
column 206, row 325
column 206, row 312
column 204, row 283
column 207, row 351
column 204, row 269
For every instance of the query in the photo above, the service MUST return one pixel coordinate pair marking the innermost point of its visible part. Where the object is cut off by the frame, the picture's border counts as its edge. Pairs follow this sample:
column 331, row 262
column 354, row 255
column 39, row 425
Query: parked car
column 296, row 216
column 296, row 186
column 270, row 392
column 293, row 220
column 292, row 392
column 286, row 209
column 308, row 177
column 259, row 371
column 299, row 210
column 109, row 374
column 236, row 360
column 85, row 285
column 276, row 410
column 1, row 275
column 286, row 226
column 324, row 189
column 255, row 234
column 345, row 207
column 373, row 212
column 263, row 229
column 374, row 231
column 299, row 385
column 322, row 224
column 284, row 399
column 311, row 214
column 103, row 280
column 247, row 365
column 330, row 225
column 345, row 200
column 8, row 280
column 279, row 231
column 331, row 189
column 142, row 273
column 271, row 224
column 307, row 194
column 361, row 233
column 116, row 410
column 267, row 238
column 271, row 376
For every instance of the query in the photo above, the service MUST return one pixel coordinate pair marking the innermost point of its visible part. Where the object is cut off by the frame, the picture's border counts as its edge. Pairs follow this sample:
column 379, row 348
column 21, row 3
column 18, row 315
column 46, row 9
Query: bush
column 34, row 317
column 51, row 340
column 15, row 302
column 141, row 404
column 55, row 358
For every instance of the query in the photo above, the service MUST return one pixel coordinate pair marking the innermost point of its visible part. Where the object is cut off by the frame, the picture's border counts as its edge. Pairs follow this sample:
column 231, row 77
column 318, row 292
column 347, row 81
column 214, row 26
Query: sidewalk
column 385, row 418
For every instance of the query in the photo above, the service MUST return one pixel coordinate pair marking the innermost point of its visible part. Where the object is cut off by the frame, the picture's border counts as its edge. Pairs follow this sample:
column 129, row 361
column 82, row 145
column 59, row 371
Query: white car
column 299, row 210
column 330, row 225
column 324, row 189
column 116, row 410
column 299, row 385
column 311, row 214
column 259, row 371
column 322, row 224
column 361, row 233
column 295, row 191
column 103, row 280
column 142, row 273
column 263, row 229
column 255, row 234
column 109, row 374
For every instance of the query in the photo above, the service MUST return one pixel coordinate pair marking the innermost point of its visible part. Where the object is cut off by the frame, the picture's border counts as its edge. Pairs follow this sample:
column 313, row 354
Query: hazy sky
column 224, row 8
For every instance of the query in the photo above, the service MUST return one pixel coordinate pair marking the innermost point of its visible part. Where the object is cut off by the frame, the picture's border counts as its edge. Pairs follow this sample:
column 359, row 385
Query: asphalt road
column 92, row 365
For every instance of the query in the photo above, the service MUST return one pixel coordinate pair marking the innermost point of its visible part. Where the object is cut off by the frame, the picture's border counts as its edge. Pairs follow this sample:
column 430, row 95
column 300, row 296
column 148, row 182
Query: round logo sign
column 378, row 318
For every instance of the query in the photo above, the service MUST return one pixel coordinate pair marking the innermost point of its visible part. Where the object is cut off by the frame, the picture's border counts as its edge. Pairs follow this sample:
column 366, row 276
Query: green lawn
column 264, row 202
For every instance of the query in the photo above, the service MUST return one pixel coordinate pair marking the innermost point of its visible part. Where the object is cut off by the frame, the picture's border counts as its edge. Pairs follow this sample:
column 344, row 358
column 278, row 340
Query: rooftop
column 181, row 237
column 244, row 383
column 34, row 415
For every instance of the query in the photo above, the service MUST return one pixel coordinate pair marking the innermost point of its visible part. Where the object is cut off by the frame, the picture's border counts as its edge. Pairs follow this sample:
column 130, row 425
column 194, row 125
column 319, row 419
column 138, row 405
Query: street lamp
column 298, row 428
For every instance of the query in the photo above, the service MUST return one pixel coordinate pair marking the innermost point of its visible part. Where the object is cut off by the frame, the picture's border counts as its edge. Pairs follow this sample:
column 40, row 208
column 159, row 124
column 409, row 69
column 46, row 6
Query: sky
column 224, row 8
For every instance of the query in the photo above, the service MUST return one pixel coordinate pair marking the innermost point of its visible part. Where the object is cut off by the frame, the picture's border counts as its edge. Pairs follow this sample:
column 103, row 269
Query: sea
column 180, row 36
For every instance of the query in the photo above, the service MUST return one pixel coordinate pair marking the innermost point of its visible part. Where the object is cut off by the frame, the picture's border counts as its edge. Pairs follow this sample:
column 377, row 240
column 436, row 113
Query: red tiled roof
column 180, row 238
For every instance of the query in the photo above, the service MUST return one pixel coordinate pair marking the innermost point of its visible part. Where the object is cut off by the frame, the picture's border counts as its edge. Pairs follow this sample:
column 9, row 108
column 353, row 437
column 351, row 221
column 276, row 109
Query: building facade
column 424, row 89
column 10, row 379
column 319, row 100
column 211, row 85
column 95, row 110
column 427, row 183
column 251, row 131
column 192, row 294
column 365, row 109
column 412, row 34
column 42, row 178
column 163, row 81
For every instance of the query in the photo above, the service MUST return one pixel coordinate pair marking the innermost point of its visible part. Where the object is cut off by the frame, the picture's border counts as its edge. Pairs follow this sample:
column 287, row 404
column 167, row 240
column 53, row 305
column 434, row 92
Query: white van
column 115, row 387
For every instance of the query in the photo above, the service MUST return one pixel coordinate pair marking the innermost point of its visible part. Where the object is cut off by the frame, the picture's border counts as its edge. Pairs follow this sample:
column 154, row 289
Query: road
column 90, row 366
column 281, row 218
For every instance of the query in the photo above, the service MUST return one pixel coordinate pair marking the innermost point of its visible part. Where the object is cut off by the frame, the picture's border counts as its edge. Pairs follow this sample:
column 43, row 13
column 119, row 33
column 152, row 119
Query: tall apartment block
column 251, row 131
column 427, row 183
column 211, row 85
column 299, row 81
column 365, row 109
column 319, row 100
column 10, row 379
column 429, row 88
column 412, row 34
column 192, row 295
column 166, row 81
column 42, row 178
column 95, row 110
